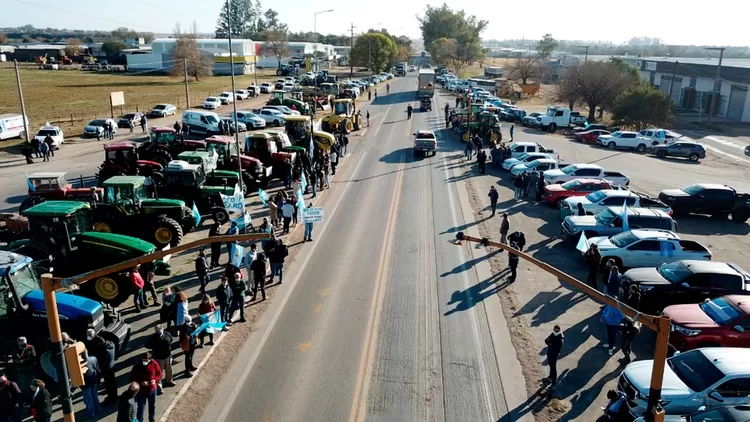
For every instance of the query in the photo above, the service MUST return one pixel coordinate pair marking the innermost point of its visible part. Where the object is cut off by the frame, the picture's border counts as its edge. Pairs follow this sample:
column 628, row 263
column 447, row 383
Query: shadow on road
column 466, row 299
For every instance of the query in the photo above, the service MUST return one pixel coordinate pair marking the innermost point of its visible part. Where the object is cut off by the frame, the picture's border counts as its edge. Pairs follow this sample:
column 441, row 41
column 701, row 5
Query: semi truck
column 400, row 69
column 425, row 88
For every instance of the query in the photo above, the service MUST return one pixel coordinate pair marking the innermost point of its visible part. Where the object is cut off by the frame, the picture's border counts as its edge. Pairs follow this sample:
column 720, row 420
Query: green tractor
column 485, row 124
column 208, row 160
column 62, row 241
column 127, row 209
column 188, row 182
column 290, row 99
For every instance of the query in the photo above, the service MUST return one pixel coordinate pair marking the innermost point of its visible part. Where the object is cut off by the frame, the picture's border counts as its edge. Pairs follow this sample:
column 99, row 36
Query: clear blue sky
column 674, row 21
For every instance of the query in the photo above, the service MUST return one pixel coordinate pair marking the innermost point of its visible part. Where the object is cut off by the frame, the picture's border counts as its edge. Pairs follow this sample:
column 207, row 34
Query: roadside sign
column 312, row 215
column 117, row 98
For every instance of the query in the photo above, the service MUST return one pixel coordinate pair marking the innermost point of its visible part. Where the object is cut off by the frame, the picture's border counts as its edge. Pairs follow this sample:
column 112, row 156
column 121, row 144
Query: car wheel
column 693, row 157
column 561, row 202
column 661, row 154
column 611, row 145
column 277, row 122
column 641, row 148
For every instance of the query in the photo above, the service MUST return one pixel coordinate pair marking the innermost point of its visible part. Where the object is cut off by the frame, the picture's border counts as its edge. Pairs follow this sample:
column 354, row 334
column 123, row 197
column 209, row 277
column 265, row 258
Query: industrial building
column 296, row 50
column 27, row 52
column 161, row 59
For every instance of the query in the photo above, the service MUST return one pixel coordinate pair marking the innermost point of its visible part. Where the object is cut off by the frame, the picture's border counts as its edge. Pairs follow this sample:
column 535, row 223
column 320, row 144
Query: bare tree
column 3, row 38
column 276, row 43
column 187, row 54
column 599, row 84
column 567, row 89
column 525, row 68
column 74, row 47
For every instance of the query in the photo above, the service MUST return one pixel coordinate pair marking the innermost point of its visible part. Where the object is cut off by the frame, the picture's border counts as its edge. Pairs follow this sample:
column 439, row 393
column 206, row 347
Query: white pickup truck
column 626, row 140
column 559, row 117
column 599, row 200
column 648, row 248
column 584, row 171
column 660, row 136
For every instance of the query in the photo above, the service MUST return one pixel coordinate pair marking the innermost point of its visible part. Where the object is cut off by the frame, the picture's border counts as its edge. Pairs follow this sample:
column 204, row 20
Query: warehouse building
column 27, row 52
column 160, row 59
column 692, row 85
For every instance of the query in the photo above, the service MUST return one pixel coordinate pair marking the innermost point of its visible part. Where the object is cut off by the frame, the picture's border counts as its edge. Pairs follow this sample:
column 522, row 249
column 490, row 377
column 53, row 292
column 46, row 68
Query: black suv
column 685, row 281
column 690, row 150
column 716, row 200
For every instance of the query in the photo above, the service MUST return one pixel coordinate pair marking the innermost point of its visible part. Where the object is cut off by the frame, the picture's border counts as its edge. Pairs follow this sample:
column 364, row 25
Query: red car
column 556, row 194
column 719, row 322
column 590, row 136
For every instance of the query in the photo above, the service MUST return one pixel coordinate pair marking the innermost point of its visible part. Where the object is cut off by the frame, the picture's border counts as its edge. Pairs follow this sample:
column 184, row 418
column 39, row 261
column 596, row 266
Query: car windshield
column 128, row 116
column 693, row 189
column 26, row 280
column 695, row 370
column 624, row 239
column 616, row 134
column 97, row 123
column 45, row 132
column 569, row 169
column 211, row 119
column 674, row 272
column 524, row 156
column 422, row 135
column 596, row 196
column 571, row 185
column 605, row 217
column 211, row 99
column 721, row 310
column 533, row 164
column 160, row 107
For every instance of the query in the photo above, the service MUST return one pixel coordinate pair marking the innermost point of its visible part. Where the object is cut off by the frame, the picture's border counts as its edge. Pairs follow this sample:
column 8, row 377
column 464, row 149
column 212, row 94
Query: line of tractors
column 146, row 194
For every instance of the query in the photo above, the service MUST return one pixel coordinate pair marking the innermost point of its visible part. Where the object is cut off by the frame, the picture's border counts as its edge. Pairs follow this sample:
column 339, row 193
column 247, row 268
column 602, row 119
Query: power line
column 162, row 8
column 78, row 13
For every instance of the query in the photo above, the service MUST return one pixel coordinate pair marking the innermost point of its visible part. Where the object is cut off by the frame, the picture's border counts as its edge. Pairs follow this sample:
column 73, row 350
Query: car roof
column 713, row 186
column 544, row 160
column 590, row 181
column 49, row 127
column 641, row 211
column 654, row 234
column 617, row 193
column 54, row 209
column 119, row 145
column 742, row 302
column 586, row 166
column 729, row 360
column 425, row 132
column 713, row 267
column 45, row 175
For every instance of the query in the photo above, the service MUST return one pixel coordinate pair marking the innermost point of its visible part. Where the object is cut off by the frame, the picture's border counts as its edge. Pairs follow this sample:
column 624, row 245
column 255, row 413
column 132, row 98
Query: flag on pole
column 31, row 186
column 624, row 216
column 300, row 201
column 666, row 249
column 211, row 323
column 583, row 243
column 264, row 197
column 196, row 215
column 236, row 252
column 303, row 181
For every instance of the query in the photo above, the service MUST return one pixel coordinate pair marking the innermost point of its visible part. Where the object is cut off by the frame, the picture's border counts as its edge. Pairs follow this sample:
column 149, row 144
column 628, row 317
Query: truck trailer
column 426, row 83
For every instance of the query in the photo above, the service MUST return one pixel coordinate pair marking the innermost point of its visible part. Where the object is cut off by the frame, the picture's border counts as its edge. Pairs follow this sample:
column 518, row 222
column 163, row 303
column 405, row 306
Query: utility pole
column 234, row 100
column 23, row 106
column 716, row 84
column 187, row 90
column 58, row 348
column 586, row 54
column 671, row 83
column 351, row 49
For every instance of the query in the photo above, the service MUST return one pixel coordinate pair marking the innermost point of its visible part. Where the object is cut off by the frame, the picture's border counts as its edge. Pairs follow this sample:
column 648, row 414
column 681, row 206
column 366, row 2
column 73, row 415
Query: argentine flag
column 211, row 323
column 31, row 186
column 196, row 215
column 624, row 216
column 303, row 181
column 264, row 197
column 236, row 253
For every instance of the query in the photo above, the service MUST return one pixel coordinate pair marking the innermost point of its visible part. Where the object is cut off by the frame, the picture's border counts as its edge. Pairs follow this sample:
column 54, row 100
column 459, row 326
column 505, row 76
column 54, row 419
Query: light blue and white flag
column 211, row 323
column 196, row 215
column 31, row 186
column 303, row 181
column 236, row 253
column 243, row 220
column 264, row 197
column 666, row 249
column 624, row 216
column 583, row 243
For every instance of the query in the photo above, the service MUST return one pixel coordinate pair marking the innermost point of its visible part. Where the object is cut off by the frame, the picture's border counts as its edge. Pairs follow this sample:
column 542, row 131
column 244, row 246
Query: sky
column 674, row 21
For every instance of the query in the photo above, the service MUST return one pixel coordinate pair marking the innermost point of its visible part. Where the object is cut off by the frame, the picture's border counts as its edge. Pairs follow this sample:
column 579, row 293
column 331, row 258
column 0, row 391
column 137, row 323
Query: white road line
column 725, row 142
column 243, row 378
column 363, row 133
column 382, row 122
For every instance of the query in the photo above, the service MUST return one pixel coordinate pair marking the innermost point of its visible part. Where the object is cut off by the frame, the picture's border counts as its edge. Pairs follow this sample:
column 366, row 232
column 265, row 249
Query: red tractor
column 121, row 159
column 164, row 146
column 49, row 186
column 254, row 174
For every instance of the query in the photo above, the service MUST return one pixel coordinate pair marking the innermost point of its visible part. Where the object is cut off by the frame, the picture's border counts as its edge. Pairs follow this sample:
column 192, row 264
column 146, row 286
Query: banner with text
column 312, row 215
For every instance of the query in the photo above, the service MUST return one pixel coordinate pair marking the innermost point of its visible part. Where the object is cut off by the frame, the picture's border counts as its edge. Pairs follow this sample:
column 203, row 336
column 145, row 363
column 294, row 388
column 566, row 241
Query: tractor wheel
column 112, row 289
column 494, row 137
column 220, row 215
column 162, row 157
column 30, row 202
column 357, row 124
column 166, row 231
column 465, row 137
column 347, row 125
column 157, row 177
column 104, row 222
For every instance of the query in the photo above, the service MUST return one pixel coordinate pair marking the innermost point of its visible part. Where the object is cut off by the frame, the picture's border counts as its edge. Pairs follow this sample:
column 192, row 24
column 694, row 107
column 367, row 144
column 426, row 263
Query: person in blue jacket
column 611, row 318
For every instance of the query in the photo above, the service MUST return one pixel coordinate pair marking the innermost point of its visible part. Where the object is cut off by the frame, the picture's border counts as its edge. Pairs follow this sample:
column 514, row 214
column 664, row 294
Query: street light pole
column 315, row 34
column 586, row 54
column 716, row 84
column 23, row 106
column 234, row 100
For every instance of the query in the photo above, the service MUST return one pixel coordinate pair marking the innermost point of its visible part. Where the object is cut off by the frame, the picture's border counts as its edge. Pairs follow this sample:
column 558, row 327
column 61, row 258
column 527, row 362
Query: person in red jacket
column 137, row 282
column 147, row 374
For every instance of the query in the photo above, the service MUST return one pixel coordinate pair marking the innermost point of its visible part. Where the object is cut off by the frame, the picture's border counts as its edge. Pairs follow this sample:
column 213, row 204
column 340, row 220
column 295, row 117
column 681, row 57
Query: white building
column 161, row 59
column 694, row 81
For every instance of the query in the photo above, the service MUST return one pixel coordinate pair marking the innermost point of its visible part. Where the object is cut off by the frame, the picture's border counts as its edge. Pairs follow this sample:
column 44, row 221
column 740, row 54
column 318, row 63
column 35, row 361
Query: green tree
column 375, row 49
column 441, row 50
column 113, row 48
column 147, row 36
column 443, row 22
column 642, row 106
column 599, row 83
column 546, row 46
column 526, row 68
column 242, row 15
column 123, row 33
column 73, row 47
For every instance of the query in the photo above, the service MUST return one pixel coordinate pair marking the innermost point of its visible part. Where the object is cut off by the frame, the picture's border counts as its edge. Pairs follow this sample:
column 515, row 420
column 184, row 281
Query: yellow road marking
column 364, row 375
column 325, row 292
column 303, row 347
column 318, row 308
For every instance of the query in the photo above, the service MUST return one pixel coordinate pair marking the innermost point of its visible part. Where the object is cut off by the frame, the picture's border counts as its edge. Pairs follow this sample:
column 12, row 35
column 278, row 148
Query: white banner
column 312, row 215
column 235, row 202
column 212, row 160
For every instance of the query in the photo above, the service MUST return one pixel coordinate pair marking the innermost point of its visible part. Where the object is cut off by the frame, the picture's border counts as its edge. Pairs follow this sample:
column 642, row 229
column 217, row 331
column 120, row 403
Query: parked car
column 226, row 97
column 135, row 117
column 660, row 136
column 599, row 200
column 251, row 120
column 284, row 109
column 595, row 126
column 513, row 115
column 96, row 126
column 584, row 170
column 608, row 222
column 716, row 200
column 540, row 164
column 525, row 158
column 211, row 103
column 691, row 150
column 625, row 140
column 271, row 116
column 163, row 110
column 53, row 132
column 686, row 281
column 718, row 322
column 739, row 413
column 230, row 121
column 590, row 136
column 241, row 94
column 266, row 88
column 556, row 194
column 709, row 377
column 518, row 149
column 648, row 248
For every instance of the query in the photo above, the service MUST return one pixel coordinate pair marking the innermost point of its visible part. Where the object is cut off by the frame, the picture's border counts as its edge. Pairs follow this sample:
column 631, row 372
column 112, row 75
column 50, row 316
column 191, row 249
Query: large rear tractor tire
column 357, row 124
column 112, row 289
column 220, row 215
column 162, row 157
column 347, row 125
column 166, row 231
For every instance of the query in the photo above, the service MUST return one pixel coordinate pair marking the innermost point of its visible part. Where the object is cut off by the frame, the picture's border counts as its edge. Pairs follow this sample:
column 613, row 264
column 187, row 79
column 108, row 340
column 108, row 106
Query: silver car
column 251, row 120
column 163, row 110
column 271, row 116
column 96, row 126
column 230, row 121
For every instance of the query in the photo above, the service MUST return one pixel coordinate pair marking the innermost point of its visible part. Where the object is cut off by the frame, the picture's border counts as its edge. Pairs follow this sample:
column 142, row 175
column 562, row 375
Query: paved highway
column 377, row 322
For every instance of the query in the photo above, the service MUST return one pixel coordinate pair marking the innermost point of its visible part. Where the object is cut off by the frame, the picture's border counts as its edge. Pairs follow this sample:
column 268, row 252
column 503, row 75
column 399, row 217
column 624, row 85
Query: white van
column 518, row 149
column 11, row 126
column 198, row 121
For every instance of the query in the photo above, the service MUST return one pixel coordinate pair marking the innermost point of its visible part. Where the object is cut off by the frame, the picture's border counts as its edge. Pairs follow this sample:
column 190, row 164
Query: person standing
column 512, row 131
column 104, row 351
column 593, row 259
column 147, row 374
column 201, row 270
column 334, row 158
column 24, row 362
column 90, row 389
column 504, row 229
column 206, row 307
column 613, row 281
column 44, row 150
column 481, row 161
column 11, row 400
column 611, row 317
column 144, row 123
column 308, row 229
column 215, row 246
column 519, row 239
column 188, row 344
column 167, row 311
column 239, row 290
column 160, row 344
column 628, row 330
column 127, row 408
column 494, row 196
column 233, row 230
column 131, row 125
column 50, row 144
column 554, row 344
column 518, row 187
column 540, row 187
column 147, row 270
column 136, row 281
column 531, row 183
column 277, row 257
column 224, row 299
column 287, row 212
column 259, row 270
column 469, row 149
column 250, row 256
column 513, row 263
column 368, row 118
column 41, row 402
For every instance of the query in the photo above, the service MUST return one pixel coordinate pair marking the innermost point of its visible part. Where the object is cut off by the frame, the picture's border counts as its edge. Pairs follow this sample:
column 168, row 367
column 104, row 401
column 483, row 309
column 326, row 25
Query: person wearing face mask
column 554, row 346
column 104, row 351
column 10, row 400
column 147, row 374
column 224, row 299
column 127, row 408
column 160, row 344
column 41, row 402
column 90, row 389
column 24, row 362
column 188, row 345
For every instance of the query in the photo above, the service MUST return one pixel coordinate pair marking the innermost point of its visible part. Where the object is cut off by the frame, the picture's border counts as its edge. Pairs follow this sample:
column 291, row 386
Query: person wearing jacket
column 41, row 402
column 277, row 257
column 104, row 352
column 611, row 318
column 518, row 185
column 182, row 315
column 137, row 283
column 593, row 260
column 127, row 408
column 224, row 299
column 206, row 307
column 90, row 389
column 239, row 287
column 160, row 345
column 215, row 246
column 494, row 196
column 188, row 344
column 201, row 269
column 10, row 399
column 147, row 374
column 504, row 228
column 554, row 344
column 259, row 276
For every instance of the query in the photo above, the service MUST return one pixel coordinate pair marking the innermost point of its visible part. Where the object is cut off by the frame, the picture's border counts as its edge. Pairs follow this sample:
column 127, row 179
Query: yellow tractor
column 342, row 117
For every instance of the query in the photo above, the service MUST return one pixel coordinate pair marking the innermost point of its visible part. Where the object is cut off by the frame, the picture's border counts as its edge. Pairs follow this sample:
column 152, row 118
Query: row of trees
column 451, row 37
column 29, row 34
